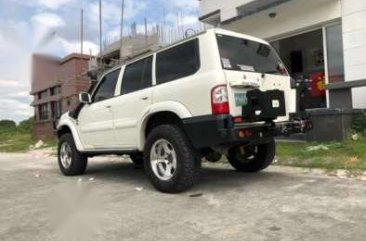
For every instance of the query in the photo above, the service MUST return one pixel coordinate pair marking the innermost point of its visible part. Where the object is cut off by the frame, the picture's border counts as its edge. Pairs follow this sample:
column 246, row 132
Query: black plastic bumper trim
column 211, row 130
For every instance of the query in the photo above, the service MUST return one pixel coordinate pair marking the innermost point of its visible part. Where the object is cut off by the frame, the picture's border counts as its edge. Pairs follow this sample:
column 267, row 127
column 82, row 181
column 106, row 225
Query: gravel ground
column 115, row 201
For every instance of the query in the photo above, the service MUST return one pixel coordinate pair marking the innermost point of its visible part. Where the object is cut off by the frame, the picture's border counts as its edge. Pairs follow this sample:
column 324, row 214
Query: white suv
column 216, row 93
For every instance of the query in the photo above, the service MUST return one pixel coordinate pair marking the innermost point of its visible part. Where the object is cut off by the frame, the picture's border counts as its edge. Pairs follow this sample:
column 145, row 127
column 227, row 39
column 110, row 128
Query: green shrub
column 25, row 126
column 7, row 126
column 359, row 123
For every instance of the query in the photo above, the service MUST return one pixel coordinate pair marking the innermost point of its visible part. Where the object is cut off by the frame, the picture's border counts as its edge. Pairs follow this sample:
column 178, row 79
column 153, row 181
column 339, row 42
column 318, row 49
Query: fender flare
column 71, row 125
column 168, row 106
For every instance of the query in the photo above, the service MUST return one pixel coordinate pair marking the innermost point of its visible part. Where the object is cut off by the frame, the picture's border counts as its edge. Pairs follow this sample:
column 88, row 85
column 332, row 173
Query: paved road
column 37, row 203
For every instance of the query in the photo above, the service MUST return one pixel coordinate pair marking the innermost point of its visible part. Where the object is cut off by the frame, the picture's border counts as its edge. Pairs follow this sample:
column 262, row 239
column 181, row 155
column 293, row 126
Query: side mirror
column 84, row 98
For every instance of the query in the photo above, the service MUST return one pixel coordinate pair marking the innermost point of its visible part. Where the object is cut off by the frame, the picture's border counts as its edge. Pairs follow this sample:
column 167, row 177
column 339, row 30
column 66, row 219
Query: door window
column 137, row 76
column 177, row 62
column 107, row 87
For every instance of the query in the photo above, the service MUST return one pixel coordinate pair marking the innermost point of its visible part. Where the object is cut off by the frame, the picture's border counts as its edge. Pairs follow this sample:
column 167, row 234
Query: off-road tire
column 188, row 163
column 78, row 161
column 263, row 158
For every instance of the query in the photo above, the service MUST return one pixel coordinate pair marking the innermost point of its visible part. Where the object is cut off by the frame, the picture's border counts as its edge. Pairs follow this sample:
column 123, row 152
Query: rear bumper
column 211, row 130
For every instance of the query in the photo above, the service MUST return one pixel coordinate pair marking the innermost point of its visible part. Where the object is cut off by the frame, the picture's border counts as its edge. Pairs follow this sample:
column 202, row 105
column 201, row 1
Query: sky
column 52, row 27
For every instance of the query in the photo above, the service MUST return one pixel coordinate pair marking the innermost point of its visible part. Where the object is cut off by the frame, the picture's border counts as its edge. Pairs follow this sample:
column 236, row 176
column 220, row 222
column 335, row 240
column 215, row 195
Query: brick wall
column 43, row 131
column 69, row 74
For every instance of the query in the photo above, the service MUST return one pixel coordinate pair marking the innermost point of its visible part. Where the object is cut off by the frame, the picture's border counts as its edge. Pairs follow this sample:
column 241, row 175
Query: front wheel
column 170, row 160
column 252, row 158
column 70, row 160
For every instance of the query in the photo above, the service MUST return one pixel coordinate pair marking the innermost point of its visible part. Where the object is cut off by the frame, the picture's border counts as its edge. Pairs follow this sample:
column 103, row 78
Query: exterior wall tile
column 354, row 35
column 352, row 6
column 356, row 72
column 354, row 22
column 359, row 100
column 355, row 39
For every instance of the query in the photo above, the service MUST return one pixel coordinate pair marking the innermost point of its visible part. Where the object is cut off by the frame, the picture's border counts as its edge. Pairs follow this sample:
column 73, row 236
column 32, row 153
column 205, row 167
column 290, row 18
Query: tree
column 26, row 126
column 7, row 126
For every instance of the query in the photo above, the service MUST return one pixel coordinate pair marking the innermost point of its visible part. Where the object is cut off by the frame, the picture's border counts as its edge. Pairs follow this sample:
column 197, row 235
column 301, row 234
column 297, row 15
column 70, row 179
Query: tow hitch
column 296, row 125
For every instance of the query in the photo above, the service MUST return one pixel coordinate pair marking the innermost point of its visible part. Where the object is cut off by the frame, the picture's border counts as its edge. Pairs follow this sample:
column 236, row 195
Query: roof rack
column 115, row 63
column 158, row 48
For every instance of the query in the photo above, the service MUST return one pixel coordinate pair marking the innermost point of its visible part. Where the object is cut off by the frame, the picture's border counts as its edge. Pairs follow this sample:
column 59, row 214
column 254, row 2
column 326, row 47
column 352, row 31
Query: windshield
column 245, row 55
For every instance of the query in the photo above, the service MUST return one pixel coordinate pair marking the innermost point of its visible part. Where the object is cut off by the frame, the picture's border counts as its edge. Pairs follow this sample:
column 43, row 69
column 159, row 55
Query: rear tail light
column 219, row 100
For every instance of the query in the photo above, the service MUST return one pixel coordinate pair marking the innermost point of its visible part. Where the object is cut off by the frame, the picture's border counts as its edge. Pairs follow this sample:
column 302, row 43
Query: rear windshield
column 246, row 55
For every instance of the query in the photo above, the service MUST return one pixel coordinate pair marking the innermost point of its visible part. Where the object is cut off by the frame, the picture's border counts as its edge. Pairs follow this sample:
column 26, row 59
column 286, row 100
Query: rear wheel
column 170, row 160
column 252, row 158
column 70, row 160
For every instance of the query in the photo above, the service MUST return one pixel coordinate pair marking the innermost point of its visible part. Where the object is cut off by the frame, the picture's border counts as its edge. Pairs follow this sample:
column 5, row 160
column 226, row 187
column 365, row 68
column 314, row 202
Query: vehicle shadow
column 213, row 176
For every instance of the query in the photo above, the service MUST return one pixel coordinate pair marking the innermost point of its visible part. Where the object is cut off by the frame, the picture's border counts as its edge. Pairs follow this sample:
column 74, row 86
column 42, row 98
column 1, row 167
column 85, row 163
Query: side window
column 137, row 76
column 146, row 80
column 107, row 86
column 177, row 62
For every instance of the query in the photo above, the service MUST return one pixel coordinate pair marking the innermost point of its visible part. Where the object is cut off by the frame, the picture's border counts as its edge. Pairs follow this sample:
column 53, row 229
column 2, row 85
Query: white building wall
column 227, row 8
column 354, row 44
column 292, row 17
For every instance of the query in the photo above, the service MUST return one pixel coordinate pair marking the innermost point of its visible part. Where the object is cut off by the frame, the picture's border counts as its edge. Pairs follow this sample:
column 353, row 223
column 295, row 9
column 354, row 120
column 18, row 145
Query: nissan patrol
column 216, row 93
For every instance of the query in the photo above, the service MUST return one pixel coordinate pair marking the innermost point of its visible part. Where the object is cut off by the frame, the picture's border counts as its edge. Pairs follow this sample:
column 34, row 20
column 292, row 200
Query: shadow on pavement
column 212, row 177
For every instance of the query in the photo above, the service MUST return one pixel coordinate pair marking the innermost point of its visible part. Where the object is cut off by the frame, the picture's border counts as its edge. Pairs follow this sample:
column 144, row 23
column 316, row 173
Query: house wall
column 48, row 72
column 292, row 17
column 227, row 8
column 354, row 44
column 44, row 72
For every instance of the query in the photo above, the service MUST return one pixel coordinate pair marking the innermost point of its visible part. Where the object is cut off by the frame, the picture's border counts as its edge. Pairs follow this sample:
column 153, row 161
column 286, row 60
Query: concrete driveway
column 114, row 201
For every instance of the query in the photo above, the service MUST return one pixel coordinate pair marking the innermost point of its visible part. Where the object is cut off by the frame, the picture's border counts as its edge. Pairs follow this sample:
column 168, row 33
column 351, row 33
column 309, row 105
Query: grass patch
column 19, row 142
column 350, row 155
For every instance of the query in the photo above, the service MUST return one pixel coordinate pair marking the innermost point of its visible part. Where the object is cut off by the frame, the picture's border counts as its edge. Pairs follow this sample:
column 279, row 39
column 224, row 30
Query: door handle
column 144, row 98
column 108, row 106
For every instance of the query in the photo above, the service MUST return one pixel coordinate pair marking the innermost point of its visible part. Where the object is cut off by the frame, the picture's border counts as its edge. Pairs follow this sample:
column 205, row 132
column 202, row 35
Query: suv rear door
column 250, row 65
column 134, row 99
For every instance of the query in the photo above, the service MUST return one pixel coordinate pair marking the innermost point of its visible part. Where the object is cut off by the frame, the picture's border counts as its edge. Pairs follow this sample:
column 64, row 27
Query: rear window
column 177, row 62
column 246, row 55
